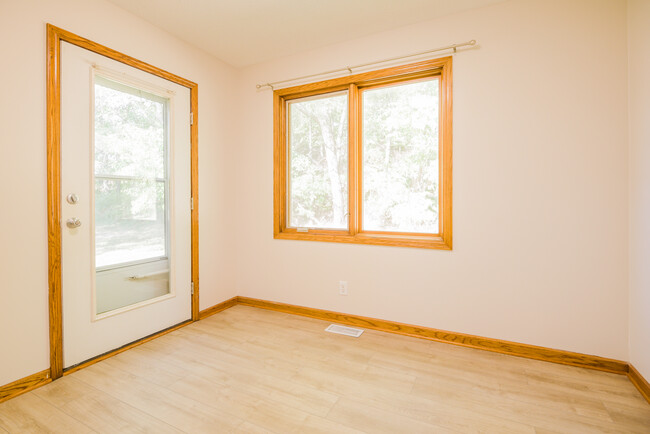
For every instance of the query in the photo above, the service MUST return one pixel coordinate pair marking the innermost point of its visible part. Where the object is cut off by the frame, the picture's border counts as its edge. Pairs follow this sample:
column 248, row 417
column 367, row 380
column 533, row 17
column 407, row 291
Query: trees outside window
column 131, row 176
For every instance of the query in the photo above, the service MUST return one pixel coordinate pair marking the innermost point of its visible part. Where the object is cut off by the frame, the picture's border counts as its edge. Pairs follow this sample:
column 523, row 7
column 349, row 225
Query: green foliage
column 318, row 162
column 400, row 159
column 129, row 143
column 130, row 171
column 129, row 134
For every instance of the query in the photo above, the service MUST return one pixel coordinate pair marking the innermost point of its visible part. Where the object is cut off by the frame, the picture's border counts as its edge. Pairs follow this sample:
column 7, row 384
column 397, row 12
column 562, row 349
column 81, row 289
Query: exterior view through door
column 125, row 204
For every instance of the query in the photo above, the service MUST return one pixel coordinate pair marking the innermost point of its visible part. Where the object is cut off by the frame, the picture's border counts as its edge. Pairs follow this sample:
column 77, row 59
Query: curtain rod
column 350, row 68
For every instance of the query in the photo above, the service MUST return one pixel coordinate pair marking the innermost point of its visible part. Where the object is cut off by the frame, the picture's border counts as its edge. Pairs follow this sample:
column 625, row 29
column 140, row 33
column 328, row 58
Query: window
column 131, row 176
column 366, row 158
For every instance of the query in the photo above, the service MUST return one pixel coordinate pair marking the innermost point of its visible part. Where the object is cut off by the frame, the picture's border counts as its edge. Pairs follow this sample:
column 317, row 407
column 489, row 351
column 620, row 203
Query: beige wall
column 639, row 106
column 540, row 185
column 23, row 224
column 540, row 179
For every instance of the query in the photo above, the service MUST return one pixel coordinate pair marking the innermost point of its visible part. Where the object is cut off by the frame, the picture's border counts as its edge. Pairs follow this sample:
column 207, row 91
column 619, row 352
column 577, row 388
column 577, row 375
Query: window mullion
column 358, row 159
column 353, row 163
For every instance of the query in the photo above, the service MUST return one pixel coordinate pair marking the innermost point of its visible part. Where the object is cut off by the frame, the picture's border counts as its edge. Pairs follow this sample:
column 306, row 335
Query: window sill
column 423, row 242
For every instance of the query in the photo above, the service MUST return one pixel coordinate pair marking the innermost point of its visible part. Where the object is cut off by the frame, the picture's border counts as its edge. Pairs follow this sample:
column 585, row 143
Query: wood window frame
column 355, row 84
column 55, row 36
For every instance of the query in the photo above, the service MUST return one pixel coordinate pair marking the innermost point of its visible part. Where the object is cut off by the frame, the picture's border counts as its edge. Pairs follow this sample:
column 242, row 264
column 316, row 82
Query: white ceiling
column 244, row 32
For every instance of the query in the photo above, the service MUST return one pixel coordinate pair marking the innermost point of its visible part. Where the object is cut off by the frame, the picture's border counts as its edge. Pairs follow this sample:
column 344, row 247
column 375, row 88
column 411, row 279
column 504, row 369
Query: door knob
column 73, row 222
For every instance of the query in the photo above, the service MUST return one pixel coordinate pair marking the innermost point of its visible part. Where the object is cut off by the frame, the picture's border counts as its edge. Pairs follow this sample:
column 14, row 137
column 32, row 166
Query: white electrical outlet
column 343, row 287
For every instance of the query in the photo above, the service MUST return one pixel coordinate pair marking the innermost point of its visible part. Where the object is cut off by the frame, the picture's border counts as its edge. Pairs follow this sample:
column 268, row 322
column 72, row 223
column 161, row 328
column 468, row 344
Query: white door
column 126, row 217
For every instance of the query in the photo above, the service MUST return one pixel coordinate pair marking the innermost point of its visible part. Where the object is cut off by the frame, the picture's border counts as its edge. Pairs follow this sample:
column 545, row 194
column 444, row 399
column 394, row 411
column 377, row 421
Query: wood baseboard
column 23, row 385
column 495, row 345
column 217, row 308
column 641, row 383
column 471, row 341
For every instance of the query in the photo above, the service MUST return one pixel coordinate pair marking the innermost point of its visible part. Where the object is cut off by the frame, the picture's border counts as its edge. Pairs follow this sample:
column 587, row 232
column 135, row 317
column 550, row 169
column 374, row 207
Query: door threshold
column 111, row 353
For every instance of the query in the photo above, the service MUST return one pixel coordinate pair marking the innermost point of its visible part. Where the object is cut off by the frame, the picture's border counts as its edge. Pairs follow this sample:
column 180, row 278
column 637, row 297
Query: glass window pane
column 318, row 162
column 400, row 157
column 131, row 180
column 129, row 131
column 129, row 220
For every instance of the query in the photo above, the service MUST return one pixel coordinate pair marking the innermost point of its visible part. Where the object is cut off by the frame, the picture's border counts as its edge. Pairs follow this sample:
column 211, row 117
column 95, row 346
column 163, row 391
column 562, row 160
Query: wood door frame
column 55, row 36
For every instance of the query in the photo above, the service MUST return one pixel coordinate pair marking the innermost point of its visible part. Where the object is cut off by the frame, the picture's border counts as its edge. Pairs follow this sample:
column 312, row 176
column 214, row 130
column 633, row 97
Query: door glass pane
column 400, row 157
column 318, row 162
column 131, row 195
column 129, row 220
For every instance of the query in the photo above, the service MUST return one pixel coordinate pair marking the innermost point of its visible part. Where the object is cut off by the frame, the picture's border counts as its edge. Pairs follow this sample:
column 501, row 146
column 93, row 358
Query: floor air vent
column 342, row 330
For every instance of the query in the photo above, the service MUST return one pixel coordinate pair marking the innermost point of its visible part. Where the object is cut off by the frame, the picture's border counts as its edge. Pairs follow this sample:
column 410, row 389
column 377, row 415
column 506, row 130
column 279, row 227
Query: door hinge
column 192, row 286
column 192, row 203
column 191, row 118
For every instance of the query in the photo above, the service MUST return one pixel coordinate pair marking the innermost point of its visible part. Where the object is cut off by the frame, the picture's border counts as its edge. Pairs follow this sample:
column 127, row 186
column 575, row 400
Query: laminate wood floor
column 248, row 370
